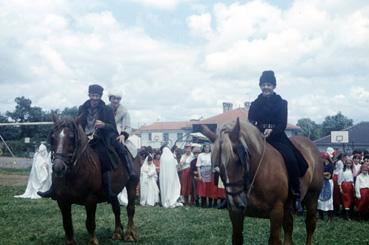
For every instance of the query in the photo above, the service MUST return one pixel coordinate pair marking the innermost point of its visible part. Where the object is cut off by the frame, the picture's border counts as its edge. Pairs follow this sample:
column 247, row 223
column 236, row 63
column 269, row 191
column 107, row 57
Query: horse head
column 230, row 155
column 65, row 140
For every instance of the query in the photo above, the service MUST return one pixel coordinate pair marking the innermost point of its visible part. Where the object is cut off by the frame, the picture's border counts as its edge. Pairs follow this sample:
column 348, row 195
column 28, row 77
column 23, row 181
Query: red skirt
column 207, row 189
column 348, row 194
column 186, row 182
column 336, row 191
column 362, row 204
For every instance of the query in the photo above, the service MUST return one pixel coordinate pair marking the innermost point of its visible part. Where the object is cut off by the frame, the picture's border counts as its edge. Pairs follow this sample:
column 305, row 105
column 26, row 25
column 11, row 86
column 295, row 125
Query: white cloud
column 162, row 4
column 50, row 51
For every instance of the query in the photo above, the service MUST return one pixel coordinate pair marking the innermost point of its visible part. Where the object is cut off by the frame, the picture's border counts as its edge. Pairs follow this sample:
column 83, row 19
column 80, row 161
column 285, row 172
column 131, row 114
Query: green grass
column 24, row 221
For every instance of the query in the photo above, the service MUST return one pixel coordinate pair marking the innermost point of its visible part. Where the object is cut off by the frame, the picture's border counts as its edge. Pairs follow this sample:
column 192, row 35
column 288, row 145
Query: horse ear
column 235, row 133
column 54, row 117
column 208, row 133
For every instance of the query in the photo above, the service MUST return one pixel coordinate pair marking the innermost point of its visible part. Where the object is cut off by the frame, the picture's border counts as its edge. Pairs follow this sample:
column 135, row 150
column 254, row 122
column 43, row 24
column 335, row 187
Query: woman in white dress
column 148, row 186
column 170, row 186
column 40, row 176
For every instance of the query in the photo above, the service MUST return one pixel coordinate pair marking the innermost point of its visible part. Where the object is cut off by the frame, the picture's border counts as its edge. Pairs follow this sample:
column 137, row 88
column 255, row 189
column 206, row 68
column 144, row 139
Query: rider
column 98, row 122
column 123, row 125
column 269, row 114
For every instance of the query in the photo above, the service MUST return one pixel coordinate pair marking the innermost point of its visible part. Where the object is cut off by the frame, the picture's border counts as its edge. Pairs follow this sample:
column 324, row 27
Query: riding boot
column 107, row 186
column 50, row 193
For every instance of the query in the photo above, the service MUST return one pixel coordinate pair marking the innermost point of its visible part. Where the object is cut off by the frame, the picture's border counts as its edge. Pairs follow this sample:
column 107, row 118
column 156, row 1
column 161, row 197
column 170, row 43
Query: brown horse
column 256, row 182
column 77, row 180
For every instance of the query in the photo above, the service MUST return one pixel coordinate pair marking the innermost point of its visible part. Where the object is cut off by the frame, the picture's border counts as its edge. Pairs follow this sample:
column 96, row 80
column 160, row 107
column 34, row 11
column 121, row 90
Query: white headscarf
column 170, row 186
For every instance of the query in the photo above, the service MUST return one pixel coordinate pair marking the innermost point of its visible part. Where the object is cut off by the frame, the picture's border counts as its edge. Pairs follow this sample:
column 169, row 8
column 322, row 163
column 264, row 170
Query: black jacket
column 271, row 112
column 105, row 135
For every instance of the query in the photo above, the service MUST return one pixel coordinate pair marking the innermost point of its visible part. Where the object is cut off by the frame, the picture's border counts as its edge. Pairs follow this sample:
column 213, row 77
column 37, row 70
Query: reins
column 257, row 169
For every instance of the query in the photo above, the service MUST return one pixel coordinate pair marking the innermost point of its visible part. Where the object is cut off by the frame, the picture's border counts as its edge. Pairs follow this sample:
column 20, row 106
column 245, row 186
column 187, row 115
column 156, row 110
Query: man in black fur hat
column 269, row 114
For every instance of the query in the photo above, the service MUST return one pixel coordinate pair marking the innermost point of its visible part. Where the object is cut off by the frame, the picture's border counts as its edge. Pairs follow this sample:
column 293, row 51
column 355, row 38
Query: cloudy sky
column 180, row 59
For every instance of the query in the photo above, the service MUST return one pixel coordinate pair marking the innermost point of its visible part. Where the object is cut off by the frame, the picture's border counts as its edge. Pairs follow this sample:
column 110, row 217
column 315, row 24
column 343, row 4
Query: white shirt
column 338, row 167
column 204, row 159
column 345, row 176
column 362, row 181
column 186, row 160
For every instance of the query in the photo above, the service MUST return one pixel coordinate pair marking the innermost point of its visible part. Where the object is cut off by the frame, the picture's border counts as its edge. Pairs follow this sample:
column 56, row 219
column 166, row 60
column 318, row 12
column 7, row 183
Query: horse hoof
column 70, row 242
column 117, row 236
column 130, row 237
column 93, row 241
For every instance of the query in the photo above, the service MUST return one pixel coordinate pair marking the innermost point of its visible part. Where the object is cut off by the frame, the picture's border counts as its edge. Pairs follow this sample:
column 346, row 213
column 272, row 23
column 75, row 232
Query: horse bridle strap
column 257, row 169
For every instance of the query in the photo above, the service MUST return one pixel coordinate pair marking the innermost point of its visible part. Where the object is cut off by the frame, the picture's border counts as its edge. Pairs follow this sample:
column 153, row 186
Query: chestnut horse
column 256, row 182
column 77, row 179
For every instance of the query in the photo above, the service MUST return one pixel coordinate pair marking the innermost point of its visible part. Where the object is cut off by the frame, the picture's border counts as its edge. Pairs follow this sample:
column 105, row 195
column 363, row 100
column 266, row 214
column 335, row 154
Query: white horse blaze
column 59, row 149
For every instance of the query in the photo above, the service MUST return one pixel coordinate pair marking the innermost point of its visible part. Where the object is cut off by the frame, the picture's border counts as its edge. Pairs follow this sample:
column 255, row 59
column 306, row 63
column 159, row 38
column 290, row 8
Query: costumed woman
column 325, row 201
column 40, row 176
column 149, row 191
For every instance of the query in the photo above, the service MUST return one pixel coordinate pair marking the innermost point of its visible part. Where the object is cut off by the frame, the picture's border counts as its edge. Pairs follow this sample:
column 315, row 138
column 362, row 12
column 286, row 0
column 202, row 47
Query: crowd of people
column 346, row 184
column 181, row 179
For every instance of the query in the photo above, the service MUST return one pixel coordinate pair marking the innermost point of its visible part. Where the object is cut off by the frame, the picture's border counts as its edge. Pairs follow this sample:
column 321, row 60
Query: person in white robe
column 170, row 186
column 40, row 176
column 149, row 190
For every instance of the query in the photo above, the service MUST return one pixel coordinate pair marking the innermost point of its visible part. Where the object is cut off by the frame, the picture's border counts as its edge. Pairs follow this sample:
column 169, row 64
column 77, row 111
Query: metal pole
column 7, row 147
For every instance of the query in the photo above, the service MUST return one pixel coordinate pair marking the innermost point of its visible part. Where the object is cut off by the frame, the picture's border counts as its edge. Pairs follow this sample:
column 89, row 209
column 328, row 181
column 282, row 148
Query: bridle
column 241, row 149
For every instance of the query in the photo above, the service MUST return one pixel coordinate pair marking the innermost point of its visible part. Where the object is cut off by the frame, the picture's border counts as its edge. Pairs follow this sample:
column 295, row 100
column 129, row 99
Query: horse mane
column 223, row 147
column 80, row 137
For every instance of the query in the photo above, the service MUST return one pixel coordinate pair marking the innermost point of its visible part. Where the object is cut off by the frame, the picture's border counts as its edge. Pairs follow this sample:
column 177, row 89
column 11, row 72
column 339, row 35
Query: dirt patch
column 13, row 179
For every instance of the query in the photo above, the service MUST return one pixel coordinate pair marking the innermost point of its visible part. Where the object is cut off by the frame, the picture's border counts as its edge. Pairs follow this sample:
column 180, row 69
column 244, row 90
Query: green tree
column 335, row 123
column 309, row 128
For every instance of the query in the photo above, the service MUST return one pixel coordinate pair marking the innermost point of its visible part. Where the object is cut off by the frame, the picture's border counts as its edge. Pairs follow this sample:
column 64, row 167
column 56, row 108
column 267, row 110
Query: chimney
column 227, row 106
column 247, row 105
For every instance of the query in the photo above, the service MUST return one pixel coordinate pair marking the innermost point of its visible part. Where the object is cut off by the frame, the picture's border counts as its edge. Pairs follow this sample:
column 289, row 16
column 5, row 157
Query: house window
column 150, row 137
column 165, row 137
column 180, row 136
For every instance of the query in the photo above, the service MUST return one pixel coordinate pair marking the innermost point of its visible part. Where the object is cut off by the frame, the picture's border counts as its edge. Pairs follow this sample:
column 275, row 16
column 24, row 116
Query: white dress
column 149, row 188
column 40, row 176
column 170, row 186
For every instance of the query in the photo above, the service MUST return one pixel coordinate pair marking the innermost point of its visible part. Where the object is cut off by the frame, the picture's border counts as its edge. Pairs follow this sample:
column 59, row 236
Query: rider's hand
column 121, row 138
column 267, row 132
column 99, row 124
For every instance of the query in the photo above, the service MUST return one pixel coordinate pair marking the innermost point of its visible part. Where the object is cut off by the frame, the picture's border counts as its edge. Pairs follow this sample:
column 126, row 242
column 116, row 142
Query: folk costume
column 362, row 190
column 149, row 190
column 325, row 201
column 186, row 180
column 40, row 176
column 346, row 184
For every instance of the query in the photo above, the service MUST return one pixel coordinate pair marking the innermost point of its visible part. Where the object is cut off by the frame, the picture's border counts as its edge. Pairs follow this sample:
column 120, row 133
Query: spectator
column 40, row 176
column 325, row 201
column 362, row 189
column 345, row 183
column 184, row 167
column 338, row 167
column 195, row 176
column 148, row 185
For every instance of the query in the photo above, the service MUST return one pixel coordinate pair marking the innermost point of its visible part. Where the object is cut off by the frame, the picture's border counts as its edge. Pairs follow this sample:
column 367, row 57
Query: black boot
column 321, row 215
column 50, row 193
column 347, row 214
column 107, row 186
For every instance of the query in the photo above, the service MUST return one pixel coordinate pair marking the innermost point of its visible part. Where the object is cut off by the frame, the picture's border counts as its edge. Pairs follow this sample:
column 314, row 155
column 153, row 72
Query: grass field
column 24, row 221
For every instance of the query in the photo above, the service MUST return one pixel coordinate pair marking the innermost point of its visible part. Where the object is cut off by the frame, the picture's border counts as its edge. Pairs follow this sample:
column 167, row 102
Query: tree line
column 25, row 112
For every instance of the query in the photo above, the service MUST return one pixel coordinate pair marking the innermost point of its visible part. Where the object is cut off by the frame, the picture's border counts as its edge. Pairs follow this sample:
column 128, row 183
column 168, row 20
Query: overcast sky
column 180, row 59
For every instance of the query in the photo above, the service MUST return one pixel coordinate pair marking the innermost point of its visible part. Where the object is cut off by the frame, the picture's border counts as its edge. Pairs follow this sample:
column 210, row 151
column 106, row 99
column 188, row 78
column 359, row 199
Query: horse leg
column 130, row 234
column 65, row 209
column 310, row 221
column 91, row 223
column 118, row 231
column 288, row 223
column 276, row 220
column 237, row 227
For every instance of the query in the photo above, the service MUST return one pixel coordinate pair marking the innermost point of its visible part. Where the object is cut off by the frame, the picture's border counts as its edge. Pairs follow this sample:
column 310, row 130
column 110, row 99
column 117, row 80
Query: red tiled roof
column 159, row 126
column 219, row 119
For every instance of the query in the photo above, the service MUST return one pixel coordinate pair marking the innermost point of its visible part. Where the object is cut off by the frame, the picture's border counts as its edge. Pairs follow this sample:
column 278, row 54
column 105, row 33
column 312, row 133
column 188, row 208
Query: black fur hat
column 268, row 77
